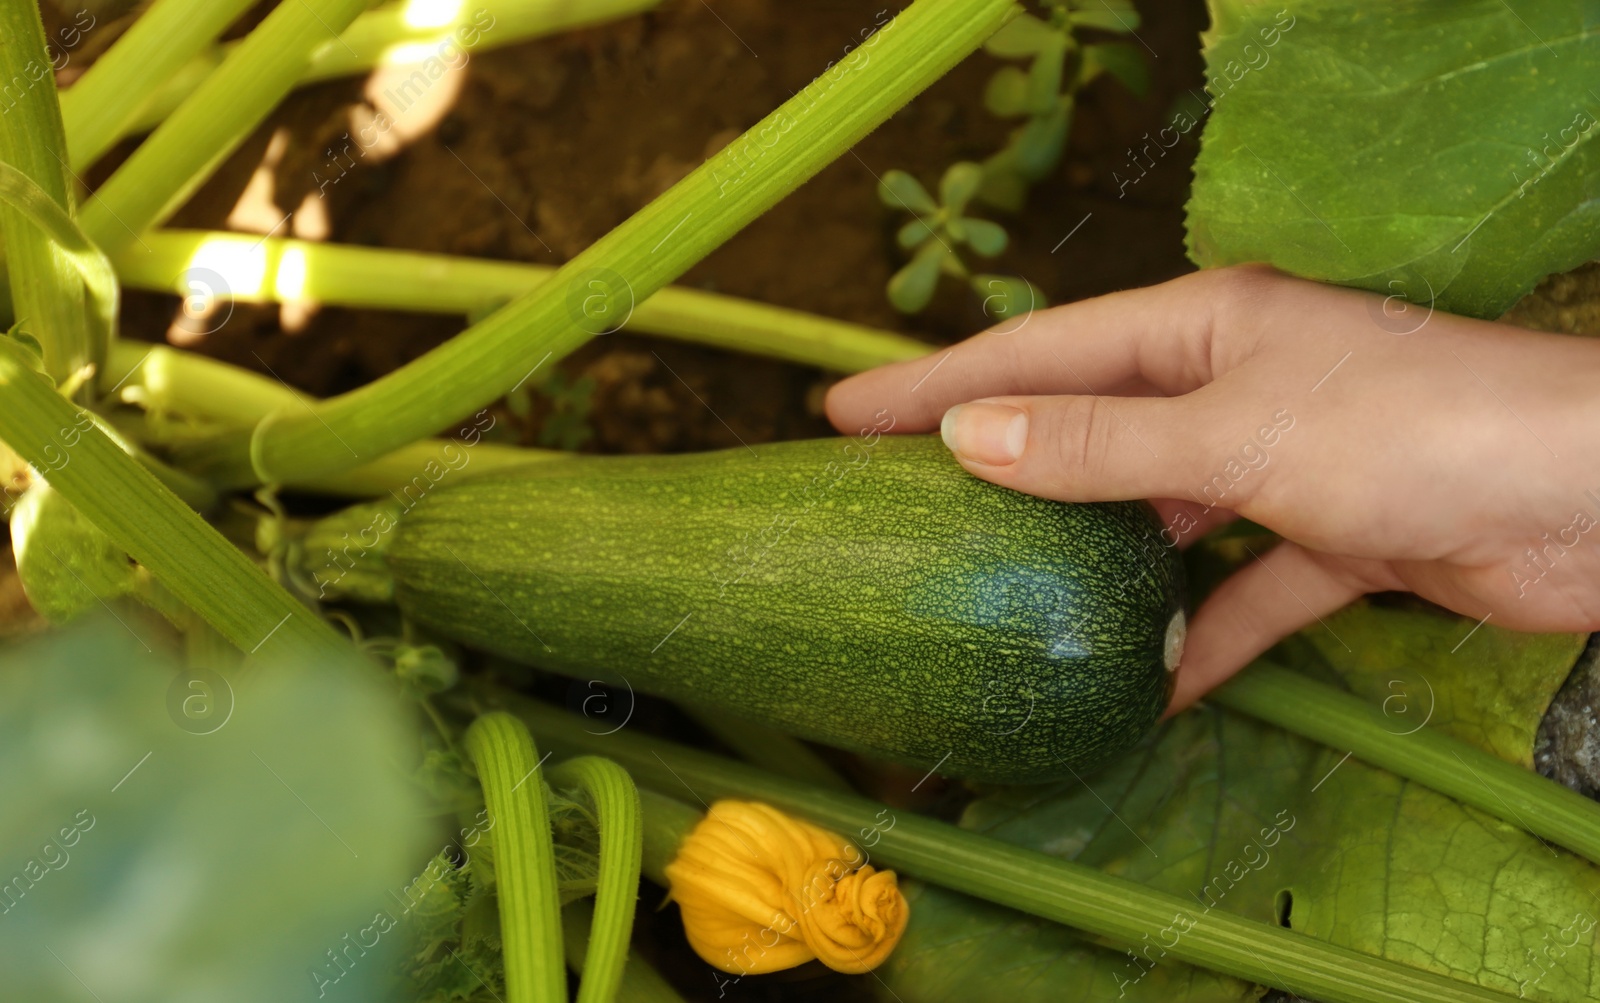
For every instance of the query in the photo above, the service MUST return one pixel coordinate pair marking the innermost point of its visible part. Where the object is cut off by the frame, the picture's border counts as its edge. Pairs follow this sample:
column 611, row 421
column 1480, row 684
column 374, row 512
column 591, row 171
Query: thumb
column 1087, row 448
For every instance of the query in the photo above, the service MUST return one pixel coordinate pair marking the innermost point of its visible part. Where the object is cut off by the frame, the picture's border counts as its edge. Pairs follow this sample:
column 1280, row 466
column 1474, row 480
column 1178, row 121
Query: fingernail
column 991, row 434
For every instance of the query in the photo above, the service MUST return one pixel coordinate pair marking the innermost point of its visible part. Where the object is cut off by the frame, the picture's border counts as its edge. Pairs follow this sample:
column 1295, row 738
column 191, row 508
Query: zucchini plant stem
column 46, row 289
column 97, row 108
column 276, row 269
column 387, row 36
column 667, row 821
column 524, row 859
column 771, row 750
column 640, row 982
column 190, row 558
column 1345, row 722
column 169, row 380
column 600, row 287
column 616, row 802
column 1033, row 882
column 177, row 159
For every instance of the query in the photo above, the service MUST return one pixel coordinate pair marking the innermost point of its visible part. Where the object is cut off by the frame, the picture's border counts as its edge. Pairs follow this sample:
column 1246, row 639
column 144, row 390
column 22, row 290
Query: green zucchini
column 865, row 593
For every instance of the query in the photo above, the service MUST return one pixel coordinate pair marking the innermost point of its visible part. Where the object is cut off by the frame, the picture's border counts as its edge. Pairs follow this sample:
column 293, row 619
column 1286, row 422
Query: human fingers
column 1171, row 336
column 1263, row 602
column 1092, row 448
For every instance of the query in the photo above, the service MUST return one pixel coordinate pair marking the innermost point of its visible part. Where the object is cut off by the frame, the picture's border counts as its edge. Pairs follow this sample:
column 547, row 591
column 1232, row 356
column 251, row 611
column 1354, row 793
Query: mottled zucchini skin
column 873, row 597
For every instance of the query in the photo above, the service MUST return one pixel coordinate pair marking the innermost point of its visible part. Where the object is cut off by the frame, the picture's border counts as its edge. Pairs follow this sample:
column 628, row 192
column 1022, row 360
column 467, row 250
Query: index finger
column 1168, row 336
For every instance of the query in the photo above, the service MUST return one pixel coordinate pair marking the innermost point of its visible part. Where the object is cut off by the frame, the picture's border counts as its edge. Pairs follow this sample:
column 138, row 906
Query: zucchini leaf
column 1484, row 685
column 1360, row 857
column 1439, row 150
column 169, row 835
column 1179, row 814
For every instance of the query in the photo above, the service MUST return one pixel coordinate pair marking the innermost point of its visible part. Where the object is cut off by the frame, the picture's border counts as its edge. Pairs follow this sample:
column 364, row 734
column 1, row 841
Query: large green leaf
column 1482, row 684
column 1184, row 813
column 1391, row 868
column 1364, row 860
column 1439, row 150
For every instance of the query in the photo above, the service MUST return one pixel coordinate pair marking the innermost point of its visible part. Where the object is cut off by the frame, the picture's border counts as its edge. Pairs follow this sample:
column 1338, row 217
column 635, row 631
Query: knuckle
column 1241, row 289
column 1082, row 439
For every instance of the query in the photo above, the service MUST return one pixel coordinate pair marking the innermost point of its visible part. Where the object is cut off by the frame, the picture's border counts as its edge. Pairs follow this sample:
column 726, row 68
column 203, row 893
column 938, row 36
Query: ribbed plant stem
column 616, row 802
column 176, row 160
column 524, row 858
column 1033, row 882
column 98, row 107
column 46, row 291
column 1347, row 723
column 165, row 379
column 127, row 502
column 640, row 982
column 597, row 289
column 251, row 269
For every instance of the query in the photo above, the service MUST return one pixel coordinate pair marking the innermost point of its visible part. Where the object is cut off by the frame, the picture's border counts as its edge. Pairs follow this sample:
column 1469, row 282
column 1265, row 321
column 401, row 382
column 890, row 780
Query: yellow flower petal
column 761, row 891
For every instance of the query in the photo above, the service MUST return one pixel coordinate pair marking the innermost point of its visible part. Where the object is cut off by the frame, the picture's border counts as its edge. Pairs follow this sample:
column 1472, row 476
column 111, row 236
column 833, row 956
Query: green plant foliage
column 1174, row 815
column 1438, row 150
column 1370, row 861
column 937, row 230
column 1059, row 65
column 567, row 425
column 168, row 836
column 1484, row 685
column 67, row 565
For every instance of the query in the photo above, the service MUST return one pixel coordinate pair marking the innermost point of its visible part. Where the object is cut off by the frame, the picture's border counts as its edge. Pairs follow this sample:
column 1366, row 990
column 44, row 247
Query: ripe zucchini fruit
column 869, row 594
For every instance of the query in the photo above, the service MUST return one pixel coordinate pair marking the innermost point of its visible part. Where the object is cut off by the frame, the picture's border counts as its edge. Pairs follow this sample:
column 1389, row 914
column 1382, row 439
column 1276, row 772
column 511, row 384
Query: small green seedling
column 1059, row 66
column 566, row 425
column 935, row 232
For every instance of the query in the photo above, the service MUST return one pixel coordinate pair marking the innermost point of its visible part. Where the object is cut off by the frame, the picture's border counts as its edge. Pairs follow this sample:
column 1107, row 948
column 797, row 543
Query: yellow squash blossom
column 760, row 892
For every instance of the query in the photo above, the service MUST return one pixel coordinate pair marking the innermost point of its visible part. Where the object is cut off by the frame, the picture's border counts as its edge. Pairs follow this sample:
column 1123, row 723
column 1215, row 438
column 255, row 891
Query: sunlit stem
column 209, row 268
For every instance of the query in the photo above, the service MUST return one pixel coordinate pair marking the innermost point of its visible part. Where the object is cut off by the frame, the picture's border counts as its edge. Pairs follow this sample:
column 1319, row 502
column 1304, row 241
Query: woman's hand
column 1459, row 461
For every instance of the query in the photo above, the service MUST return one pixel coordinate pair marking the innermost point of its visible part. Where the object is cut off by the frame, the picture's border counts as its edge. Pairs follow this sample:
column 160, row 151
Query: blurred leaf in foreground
column 170, row 837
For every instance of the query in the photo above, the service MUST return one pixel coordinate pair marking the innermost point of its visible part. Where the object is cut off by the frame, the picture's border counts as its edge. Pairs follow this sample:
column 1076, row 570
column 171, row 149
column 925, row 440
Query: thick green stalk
column 759, row 745
column 384, row 36
column 166, row 381
column 600, row 287
column 277, row 269
column 177, row 159
column 1033, row 882
column 616, row 802
column 98, row 107
column 1347, row 723
column 92, row 275
column 666, row 822
column 524, row 858
column 640, row 982
column 127, row 502
column 46, row 291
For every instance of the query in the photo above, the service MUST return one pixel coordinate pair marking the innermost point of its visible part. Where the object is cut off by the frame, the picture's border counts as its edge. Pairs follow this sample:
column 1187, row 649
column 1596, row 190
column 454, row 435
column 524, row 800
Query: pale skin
column 1432, row 461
